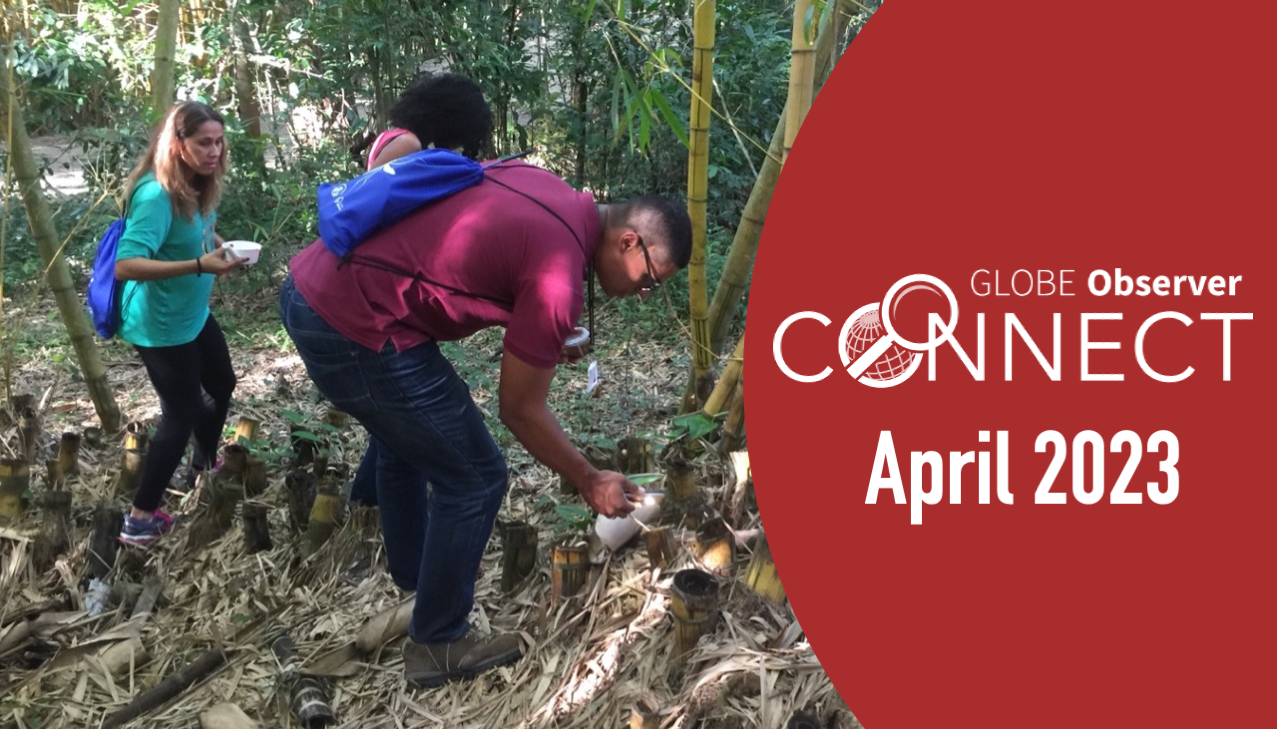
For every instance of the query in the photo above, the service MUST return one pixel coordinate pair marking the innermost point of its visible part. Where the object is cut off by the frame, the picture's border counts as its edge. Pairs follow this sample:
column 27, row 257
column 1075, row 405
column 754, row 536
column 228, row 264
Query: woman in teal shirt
column 167, row 259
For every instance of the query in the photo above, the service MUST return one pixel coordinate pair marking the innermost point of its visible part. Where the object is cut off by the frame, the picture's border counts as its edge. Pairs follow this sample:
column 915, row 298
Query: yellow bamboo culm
column 762, row 576
column 717, row 401
column 15, row 479
column 703, row 20
column 740, row 258
column 802, row 69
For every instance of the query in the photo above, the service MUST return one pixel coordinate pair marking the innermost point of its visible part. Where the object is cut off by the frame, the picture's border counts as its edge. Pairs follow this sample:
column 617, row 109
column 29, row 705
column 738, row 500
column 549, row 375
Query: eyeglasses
column 655, row 283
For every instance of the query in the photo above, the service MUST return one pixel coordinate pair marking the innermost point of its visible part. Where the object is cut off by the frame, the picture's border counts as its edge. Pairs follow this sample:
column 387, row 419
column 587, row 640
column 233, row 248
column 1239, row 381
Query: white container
column 615, row 532
column 244, row 249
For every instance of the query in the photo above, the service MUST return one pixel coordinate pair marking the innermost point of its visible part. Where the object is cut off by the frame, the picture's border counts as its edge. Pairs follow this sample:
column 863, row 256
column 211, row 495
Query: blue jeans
column 428, row 429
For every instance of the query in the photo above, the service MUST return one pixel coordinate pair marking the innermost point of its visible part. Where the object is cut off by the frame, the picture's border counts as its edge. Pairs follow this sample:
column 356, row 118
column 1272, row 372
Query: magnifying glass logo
column 886, row 312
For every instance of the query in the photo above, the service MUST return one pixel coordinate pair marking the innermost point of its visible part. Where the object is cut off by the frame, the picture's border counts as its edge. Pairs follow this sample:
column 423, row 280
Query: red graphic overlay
column 1041, row 161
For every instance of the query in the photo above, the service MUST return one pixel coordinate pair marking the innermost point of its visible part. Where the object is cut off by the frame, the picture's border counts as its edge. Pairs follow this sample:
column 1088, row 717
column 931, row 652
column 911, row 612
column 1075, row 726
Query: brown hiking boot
column 427, row 665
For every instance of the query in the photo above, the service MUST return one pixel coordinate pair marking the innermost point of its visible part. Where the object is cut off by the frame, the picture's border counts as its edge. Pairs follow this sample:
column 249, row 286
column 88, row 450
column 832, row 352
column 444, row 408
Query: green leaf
column 671, row 118
column 307, row 435
column 642, row 479
column 697, row 425
column 574, row 515
column 293, row 416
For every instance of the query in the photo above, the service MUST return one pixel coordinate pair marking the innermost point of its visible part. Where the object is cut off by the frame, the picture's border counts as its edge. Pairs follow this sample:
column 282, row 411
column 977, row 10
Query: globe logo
column 864, row 332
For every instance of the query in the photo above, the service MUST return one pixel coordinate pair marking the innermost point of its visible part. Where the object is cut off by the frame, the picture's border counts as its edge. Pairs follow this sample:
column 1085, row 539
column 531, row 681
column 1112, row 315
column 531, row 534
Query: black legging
column 194, row 382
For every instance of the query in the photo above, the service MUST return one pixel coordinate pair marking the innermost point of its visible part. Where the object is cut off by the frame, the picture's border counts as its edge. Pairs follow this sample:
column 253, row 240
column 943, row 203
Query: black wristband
column 199, row 268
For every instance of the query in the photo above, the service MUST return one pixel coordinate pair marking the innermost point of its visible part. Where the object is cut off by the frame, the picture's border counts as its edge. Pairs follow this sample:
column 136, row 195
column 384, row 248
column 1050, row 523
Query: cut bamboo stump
column 307, row 697
column 662, row 548
column 55, row 532
column 105, row 541
column 255, row 478
column 336, row 418
column 570, row 567
column 224, row 495
column 234, row 461
column 646, row 713
column 634, row 455
column 135, row 442
column 717, row 546
column 246, row 430
column 519, row 553
column 28, row 434
column 93, row 437
column 325, row 513
column 69, row 455
column 762, row 576
column 24, row 401
column 803, row 720
column 680, row 481
column 302, row 488
column 694, row 602
column 53, row 479
column 15, row 481
column 601, row 458
column 256, row 528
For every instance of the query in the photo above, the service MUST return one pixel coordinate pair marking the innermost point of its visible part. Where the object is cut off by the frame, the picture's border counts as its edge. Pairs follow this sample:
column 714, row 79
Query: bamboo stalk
column 740, row 257
column 694, row 602
column 802, row 69
column 734, row 425
column 15, row 481
column 74, row 316
column 727, row 381
column 762, row 576
column 162, row 73
column 69, row 455
column 519, row 553
column 703, row 29
column 570, row 565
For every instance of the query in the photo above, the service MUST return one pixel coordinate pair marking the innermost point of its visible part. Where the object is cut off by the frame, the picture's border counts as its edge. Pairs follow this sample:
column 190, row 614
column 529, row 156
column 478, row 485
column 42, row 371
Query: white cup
column 244, row 249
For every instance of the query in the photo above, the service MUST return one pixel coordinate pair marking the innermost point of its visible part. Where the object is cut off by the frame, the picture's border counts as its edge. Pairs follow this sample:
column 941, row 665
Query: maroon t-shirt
column 487, row 241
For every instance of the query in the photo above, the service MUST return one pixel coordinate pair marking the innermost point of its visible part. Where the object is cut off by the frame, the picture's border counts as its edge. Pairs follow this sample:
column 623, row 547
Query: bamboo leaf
column 671, row 118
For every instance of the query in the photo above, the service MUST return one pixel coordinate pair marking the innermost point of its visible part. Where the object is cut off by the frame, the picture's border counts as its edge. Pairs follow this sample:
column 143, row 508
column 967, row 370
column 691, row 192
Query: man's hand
column 611, row 493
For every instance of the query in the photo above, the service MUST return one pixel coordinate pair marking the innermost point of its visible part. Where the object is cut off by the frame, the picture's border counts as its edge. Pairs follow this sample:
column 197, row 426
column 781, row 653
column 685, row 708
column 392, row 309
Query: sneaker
column 427, row 665
column 141, row 532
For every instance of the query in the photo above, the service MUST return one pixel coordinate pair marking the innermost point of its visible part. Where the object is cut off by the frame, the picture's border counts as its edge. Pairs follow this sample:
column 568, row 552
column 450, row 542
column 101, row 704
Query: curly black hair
column 446, row 110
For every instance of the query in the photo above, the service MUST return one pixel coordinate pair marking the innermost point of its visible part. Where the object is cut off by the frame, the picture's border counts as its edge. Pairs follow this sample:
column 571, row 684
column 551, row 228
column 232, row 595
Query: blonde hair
column 188, row 190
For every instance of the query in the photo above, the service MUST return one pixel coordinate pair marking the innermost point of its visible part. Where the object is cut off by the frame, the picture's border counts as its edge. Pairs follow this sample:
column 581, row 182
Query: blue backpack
column 104, row 290
column 351, row 211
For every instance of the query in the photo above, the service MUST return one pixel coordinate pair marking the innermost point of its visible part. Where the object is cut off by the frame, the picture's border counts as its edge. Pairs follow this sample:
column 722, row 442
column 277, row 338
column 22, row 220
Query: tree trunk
column 162, row 77
column 74, row 317
column 697, row 190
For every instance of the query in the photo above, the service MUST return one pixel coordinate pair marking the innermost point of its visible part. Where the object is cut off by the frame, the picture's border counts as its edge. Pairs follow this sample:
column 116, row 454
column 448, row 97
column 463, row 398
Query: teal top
column 171, row 311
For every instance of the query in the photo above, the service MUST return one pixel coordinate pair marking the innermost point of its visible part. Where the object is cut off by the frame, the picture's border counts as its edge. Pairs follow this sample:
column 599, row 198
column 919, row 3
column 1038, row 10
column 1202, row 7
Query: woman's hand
column 220, row 261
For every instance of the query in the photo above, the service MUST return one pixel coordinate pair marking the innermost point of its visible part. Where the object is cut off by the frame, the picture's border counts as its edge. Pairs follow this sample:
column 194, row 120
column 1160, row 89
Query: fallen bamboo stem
column 169, row 688
column 307, row 696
